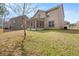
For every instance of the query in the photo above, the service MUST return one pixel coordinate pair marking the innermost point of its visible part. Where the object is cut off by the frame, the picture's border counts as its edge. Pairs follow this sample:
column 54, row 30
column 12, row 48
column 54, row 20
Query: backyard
column 41, row 42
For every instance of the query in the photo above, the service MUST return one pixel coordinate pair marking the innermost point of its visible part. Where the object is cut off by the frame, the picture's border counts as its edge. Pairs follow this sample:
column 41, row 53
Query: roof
column 77, row 21
column 39, row 11
column 19, row 17
column 66, row 22
column 55, row 8
column 52, row 9
column 37, row 19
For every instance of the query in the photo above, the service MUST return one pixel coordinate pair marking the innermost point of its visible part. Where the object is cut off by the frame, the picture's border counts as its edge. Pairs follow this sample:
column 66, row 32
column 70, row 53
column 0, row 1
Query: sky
column 71, row 10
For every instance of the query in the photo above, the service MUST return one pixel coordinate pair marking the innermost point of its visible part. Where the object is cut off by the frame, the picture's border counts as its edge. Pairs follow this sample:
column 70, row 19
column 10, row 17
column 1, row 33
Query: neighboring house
column 52, row 18
column 73, row 26
column 17, row 23
column 66, row 24
column 6, row 25
column 77, row 25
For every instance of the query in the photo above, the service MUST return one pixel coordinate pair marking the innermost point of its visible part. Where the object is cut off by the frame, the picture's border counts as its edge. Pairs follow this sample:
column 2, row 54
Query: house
column 6, row 26
column 77, row 24
column 66, row 24
column 52, row 18
column 17, row 23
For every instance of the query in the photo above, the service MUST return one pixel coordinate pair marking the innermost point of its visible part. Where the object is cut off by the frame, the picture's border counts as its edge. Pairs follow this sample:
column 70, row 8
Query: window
column 41, row 24
column 51, row 23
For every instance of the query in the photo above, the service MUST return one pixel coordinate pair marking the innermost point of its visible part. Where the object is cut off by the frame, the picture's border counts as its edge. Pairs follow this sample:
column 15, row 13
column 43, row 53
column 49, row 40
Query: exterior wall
column 61, row 16
column 77, row 25
column 53, row 16
column 57, row 16
column 17, row 23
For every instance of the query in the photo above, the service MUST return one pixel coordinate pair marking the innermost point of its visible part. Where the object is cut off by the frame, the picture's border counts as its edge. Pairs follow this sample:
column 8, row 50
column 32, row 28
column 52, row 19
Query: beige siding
column 57, row 16
column 61, row 16
column 77, row 25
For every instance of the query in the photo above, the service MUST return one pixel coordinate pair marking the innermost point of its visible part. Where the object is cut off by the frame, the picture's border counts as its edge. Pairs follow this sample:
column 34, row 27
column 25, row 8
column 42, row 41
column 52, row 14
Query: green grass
column 44, row 42
column 52, row 43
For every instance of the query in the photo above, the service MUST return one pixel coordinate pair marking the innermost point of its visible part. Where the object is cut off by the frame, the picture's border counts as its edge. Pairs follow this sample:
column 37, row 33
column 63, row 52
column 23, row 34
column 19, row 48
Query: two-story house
column 17, row 23
column 52, row 18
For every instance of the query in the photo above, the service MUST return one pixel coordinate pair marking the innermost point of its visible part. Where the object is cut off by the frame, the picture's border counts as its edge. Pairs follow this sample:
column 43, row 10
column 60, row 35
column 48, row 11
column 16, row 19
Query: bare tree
column 23, row 9
column 3, row 13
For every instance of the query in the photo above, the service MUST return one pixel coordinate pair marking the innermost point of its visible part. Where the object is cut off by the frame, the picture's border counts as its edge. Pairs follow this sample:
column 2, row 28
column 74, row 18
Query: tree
column 23, row 9
column 2, row 9
column 3, row 12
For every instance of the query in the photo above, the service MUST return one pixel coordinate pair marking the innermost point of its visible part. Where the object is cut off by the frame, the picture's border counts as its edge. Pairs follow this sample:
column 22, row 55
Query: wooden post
column 35, row 24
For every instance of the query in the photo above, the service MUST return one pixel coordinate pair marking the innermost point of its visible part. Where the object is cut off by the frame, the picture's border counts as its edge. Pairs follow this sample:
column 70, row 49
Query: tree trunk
column 24, row 29
column 36, row 25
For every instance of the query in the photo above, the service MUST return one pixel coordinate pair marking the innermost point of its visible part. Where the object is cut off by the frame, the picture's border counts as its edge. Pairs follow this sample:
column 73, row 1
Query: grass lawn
column 1, row 30
column 44, row 42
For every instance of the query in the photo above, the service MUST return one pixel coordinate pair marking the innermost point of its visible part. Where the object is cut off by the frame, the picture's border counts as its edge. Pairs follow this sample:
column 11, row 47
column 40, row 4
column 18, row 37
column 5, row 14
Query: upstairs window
column 51, row 23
